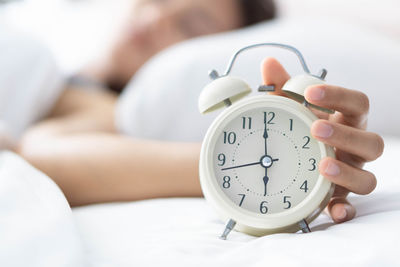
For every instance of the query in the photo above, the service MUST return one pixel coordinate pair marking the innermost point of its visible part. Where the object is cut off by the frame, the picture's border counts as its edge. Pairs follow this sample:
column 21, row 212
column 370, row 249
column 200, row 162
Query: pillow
column 30, row 81
column 161, row 100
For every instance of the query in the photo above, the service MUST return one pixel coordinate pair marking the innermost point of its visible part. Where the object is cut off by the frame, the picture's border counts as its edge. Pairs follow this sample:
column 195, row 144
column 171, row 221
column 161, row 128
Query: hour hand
column 266, row 179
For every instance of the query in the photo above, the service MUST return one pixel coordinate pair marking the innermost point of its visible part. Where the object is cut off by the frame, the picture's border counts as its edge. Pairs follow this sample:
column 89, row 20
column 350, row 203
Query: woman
column 78, row 147
column 155, row 25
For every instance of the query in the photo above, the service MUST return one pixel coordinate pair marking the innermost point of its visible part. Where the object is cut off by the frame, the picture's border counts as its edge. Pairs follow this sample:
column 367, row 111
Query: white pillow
column 161, row 100
column 30, row 81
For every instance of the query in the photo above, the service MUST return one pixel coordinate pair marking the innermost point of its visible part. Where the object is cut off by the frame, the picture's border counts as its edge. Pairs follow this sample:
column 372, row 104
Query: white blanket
column 36, row 224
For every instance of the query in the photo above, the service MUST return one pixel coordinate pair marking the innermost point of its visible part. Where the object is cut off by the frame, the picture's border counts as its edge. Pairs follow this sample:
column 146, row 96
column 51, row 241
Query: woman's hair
column 254, row 11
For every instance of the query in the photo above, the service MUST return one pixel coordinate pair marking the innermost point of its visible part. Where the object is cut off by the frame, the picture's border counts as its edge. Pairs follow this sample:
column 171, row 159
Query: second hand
column 245, row 165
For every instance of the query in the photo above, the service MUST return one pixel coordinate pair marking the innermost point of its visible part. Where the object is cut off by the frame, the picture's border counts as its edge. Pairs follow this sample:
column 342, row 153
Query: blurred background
column 109, row 42
column 78, row 30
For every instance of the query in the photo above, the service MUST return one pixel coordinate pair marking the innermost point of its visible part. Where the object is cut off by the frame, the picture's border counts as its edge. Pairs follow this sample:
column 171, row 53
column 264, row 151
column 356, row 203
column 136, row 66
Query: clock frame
column 249, row 222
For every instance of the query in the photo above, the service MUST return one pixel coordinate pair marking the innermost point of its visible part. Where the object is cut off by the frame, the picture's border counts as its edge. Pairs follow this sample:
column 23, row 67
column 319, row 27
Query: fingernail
column 332, row 169
column 316, row 94
column 323, row 130
column 342, row 214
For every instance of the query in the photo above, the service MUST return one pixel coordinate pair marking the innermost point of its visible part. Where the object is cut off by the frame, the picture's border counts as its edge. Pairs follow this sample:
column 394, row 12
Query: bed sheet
column 36, row 224
column 184, row 232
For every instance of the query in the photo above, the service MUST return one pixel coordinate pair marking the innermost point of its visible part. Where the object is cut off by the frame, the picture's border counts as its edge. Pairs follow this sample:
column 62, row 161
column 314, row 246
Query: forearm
column 92, row 168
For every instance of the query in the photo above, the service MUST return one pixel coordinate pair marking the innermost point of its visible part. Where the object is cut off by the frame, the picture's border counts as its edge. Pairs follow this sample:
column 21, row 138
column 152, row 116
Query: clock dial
column 265, row 160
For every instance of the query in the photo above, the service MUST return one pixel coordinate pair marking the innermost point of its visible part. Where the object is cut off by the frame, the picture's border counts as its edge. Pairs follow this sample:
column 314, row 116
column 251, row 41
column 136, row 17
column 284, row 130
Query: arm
column 78, row 149
column 100, row 167
column 79, row 110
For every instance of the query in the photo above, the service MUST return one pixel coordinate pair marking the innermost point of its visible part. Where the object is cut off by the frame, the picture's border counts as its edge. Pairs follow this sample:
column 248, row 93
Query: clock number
column 272, row 115
column 229, row 138
column 226, row 184
column 221, row 158
column 291, row 124
column 263, row 208
column 304, row 186
column 241, row 201
column 286, row 201
column 313, row 161
column 307, row 141
column 246, row 119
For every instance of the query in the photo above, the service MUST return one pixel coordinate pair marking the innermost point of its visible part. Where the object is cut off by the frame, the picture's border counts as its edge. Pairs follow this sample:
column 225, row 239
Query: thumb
column 274, row 74
column 341, row 210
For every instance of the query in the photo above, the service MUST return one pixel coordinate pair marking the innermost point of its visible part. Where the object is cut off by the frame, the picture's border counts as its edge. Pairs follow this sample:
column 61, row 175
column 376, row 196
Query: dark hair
column 254, row 11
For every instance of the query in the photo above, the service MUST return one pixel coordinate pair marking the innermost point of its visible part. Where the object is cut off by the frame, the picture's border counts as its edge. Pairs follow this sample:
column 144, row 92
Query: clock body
column 259, row 165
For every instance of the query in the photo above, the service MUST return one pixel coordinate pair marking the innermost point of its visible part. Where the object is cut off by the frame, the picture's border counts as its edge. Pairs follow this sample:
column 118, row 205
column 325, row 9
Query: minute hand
column 265, row 135
column 239, row 166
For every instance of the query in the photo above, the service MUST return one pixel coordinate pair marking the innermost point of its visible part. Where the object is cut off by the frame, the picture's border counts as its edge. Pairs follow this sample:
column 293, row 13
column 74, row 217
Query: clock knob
column 295, row 87
column 222, row 91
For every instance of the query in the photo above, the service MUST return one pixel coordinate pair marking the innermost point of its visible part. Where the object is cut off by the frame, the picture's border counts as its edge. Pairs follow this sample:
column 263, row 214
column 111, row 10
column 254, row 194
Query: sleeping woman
column 80, row 149
column 157, row 24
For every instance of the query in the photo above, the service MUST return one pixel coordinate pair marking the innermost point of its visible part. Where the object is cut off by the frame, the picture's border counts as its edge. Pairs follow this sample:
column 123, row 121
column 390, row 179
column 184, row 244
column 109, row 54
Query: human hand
column 345, row 130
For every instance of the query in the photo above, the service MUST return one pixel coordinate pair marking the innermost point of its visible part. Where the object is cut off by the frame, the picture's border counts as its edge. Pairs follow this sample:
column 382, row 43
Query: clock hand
column 265, row 179
column 265, row 135
column 250, row 164
column 244, row 165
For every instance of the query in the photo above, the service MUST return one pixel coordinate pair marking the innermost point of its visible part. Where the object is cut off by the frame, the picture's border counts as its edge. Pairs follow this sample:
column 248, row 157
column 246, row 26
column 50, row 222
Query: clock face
column 265, row 160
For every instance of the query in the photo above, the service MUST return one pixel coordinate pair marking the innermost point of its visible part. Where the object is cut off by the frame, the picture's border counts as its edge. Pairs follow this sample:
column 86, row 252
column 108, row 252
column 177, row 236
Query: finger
column 340, row 191
column 274, row 74
column 353, row 179
column 367, row 145
column 353, row 104
column 341, row 210
column 350, row 159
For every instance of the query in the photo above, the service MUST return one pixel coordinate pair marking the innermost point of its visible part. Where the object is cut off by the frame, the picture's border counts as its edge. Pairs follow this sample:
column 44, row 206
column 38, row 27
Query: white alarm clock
column 258, row 161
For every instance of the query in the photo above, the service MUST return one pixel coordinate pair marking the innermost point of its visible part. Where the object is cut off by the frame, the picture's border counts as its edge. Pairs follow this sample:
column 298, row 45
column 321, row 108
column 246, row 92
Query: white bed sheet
column 184, row 232
column 36, row 224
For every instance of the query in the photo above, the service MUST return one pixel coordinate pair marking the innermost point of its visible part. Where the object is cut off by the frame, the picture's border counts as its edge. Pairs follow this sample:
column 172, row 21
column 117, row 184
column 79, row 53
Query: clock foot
column 228, row 228
column 304, row 226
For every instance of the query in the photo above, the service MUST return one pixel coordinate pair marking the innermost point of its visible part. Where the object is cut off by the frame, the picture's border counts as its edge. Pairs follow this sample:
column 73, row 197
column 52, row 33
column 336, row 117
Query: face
column 265, row 160
column 157, row 24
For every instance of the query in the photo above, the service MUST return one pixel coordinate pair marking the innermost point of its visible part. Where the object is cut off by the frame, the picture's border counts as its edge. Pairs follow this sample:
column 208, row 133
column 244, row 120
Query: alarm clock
column 258, row 162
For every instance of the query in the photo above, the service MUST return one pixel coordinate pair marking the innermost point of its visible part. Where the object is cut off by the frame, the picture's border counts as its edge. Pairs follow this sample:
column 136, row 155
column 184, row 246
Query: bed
column 38, row 228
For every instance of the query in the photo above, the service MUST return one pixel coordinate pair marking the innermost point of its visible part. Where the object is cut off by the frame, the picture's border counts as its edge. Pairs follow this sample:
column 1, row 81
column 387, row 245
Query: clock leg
column 228, row 228
column 304, row 226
